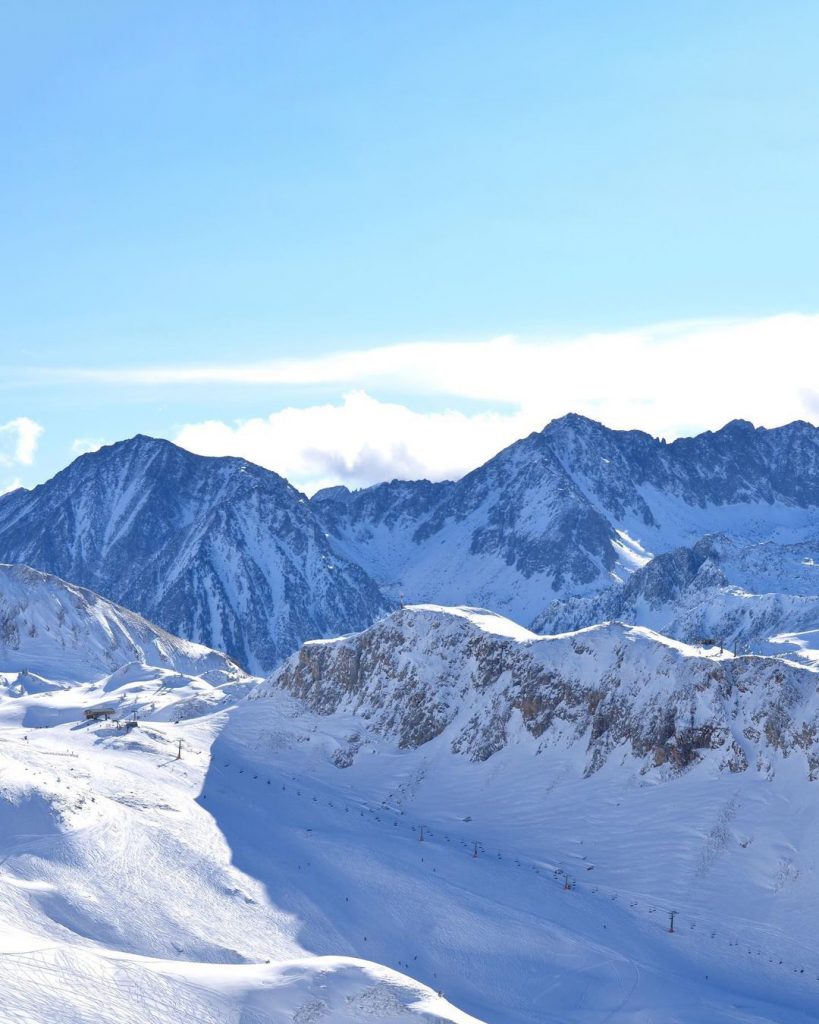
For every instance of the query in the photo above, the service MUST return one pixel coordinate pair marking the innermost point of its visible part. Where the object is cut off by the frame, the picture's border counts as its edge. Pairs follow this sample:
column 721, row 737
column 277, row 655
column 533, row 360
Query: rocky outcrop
column 476, row 682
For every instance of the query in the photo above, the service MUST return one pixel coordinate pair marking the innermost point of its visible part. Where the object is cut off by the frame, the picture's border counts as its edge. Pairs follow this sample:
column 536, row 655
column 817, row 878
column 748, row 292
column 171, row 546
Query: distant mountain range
column 559, row 529
column 760, row 597
column 575, row 503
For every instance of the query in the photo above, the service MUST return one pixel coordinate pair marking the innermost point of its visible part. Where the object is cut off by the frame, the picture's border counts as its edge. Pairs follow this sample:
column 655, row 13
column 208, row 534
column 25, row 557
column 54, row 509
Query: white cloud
column 11, row 486
column 359, row 441
column 81, row 445
column 668, row 380
column 18, row 441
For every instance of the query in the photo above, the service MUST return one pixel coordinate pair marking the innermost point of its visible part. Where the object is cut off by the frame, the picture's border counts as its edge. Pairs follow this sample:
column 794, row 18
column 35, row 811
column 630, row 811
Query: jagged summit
column 159, row 451
column 575, row 508
column 339, row 492
column 219, row 550
column 574, row 422
column 738, row 425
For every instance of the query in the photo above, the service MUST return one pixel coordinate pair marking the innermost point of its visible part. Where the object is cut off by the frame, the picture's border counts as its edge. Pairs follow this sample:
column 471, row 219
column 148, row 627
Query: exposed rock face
column 574, row 509
column 216, row 550
column 478, row 682
column 230, row 555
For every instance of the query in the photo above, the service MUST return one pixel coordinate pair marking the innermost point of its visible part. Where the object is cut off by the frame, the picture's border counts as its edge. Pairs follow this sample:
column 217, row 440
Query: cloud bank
column 669, row 380
column 359, row 441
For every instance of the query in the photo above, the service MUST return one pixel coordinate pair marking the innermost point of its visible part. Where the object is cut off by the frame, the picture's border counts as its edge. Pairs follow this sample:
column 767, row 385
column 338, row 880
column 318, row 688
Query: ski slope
column 253, row 880
column 257, row 853
column 120, row 901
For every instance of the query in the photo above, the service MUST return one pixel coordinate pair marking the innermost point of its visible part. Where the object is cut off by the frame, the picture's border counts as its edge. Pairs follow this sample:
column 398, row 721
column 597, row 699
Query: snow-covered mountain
column 749, row 597
column 228, row 554
column 219, row 551
column 483, row 683
column 67, row 633
column 357, row 852
column 574, row 508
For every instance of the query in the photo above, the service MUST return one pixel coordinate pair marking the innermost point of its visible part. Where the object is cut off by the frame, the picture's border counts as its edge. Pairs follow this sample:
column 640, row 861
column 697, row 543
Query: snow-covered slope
column 121, row 903
column 56, row 629
column 114, row 877
column 73, row 650
column 216, row 550
column 574, row 508
column 760, row 597
column 444, row 803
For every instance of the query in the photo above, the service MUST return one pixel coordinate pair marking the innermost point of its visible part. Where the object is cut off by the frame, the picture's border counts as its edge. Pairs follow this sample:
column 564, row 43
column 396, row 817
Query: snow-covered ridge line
column 498, row 625
column 478, row 683
column 65, row 632
column 482, row 618
column 231, row 555
column 576, row 509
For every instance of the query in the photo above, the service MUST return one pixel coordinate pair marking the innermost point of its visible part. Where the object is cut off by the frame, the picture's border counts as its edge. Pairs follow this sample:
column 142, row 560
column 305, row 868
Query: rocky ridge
column 479, row 683
column 575, row 509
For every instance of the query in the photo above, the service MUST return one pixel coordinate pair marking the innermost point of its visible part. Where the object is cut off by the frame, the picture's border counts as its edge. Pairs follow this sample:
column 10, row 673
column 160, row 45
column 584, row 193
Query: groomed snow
column 254, row 881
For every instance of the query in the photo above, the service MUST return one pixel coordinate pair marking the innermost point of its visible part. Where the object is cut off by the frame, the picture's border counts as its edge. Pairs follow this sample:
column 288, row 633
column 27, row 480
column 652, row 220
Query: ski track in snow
column 252, row 881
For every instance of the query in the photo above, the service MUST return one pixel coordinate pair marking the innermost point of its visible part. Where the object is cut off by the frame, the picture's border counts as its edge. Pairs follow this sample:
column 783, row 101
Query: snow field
column 372, row 855
column 119, row 901
column 252, row 880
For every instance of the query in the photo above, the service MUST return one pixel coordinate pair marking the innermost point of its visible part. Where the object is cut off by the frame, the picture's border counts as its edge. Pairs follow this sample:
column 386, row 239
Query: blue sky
column 247, row 185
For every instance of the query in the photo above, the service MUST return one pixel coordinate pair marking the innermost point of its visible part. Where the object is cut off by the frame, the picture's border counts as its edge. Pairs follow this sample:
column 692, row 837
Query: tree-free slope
column 574, row 509
column 219, row 551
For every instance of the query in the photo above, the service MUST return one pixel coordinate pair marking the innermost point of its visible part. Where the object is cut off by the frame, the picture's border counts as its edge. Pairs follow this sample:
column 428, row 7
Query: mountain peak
column 574, row 424
column 216, row 549
column 739, row 426
column 573, row 421
column 138, row 442
column 339, row 492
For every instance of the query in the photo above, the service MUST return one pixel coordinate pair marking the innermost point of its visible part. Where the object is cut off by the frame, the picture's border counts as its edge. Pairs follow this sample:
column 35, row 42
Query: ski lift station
column 98, row 714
